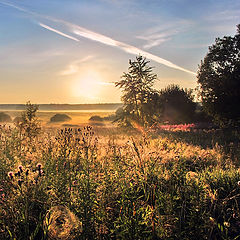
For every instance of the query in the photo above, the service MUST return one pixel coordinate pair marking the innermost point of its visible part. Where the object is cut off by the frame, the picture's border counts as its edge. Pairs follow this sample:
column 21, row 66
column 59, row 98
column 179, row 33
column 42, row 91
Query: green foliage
column 177, row 104
column 137, row 88
column 28, row 124
column 73, row 184
column 218, row 78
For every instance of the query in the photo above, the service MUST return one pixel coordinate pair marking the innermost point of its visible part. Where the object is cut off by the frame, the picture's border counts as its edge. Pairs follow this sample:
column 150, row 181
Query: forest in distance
column 49, row 107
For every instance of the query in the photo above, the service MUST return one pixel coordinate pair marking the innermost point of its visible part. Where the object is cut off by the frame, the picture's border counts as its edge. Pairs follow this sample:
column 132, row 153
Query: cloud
column 58, row 32
column 16, row 7
column 83, row 32
column 73, row 67
column 156, row 37
column 125, row 47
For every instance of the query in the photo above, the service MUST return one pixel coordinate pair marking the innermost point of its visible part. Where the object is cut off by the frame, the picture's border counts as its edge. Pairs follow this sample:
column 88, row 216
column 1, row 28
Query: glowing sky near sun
column 71, row 51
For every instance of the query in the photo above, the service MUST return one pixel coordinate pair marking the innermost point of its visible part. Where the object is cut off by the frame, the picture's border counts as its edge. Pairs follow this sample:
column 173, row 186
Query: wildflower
column 10, row 174
column 39, row 166
column 226, row 224
column 20, row 168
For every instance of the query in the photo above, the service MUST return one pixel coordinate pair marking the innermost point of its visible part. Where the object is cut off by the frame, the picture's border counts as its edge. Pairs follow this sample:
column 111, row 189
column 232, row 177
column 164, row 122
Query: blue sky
column 70, row 51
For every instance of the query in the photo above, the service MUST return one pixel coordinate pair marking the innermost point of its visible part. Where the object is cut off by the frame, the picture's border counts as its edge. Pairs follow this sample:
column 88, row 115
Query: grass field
column 93, row 183
column 79, row 117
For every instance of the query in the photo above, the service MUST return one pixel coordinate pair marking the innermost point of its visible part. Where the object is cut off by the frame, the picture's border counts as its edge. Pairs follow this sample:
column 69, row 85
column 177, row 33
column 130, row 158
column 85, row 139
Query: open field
column 79, row 117
column 87, row 183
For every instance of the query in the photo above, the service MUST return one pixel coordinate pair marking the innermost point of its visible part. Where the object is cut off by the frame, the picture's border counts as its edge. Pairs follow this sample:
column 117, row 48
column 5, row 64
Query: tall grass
column 76, row 184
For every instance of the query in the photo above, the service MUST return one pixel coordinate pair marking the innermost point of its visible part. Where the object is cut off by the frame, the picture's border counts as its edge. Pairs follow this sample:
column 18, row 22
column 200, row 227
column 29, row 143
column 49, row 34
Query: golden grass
column 79, row 118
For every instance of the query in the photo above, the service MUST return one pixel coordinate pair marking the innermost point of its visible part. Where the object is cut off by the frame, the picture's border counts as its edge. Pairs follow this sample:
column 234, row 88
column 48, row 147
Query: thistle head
column 39, row 166
column 20, row 167
column 10, row 174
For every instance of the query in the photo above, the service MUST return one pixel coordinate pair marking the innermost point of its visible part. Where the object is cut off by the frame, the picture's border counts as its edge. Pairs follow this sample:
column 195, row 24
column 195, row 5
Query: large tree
column 137, row 88
column 219, row 80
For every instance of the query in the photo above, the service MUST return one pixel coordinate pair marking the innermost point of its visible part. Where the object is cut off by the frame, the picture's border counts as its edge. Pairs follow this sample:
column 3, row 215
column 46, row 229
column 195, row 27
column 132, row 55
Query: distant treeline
column 99, row 106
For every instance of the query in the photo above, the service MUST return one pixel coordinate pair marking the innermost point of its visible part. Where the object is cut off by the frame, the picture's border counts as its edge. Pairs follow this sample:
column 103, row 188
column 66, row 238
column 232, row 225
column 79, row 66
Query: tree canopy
column 177, row 104
column 137, row 88
column 219, row 80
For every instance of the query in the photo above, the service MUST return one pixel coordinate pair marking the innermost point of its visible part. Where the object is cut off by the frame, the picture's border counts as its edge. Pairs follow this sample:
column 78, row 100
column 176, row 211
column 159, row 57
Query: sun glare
column 87, row 85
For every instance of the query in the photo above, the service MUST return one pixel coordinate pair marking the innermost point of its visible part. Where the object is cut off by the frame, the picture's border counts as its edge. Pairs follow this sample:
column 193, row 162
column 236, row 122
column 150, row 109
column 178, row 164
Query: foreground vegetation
column 78, row 184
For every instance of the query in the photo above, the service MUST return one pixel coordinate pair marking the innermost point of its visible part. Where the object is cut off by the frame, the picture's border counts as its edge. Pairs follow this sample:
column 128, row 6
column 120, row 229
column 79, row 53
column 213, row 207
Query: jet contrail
column 58, row 32
column 83, row 32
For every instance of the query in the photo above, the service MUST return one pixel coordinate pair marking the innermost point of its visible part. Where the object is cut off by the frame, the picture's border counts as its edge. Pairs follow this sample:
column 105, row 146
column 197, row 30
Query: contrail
column 83, row 32
column 58, row 32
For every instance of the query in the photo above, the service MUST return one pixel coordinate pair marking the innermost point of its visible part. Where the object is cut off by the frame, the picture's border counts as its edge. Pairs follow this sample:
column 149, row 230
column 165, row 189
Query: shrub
column 28, row 124
column 177, row 103
column 60, row 118
column 5, row 117
column 96, row 118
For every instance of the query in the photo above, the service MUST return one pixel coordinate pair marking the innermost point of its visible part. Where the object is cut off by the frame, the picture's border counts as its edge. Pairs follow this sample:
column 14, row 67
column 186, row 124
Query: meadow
column 104, row 182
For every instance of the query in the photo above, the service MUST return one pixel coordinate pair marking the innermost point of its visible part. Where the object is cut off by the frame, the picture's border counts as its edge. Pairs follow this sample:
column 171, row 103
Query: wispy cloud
column 83, row 32
column 58, row 32
column 164, row 32
column 125, row 47
column 16, row 7
column 157, row 37
column 73, row 67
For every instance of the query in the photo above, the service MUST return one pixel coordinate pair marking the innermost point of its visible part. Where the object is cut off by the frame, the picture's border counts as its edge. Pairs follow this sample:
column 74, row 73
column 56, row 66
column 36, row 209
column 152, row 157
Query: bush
column 60, row 118
column 96, row 118
column 5, row 117
column 28, row 124
column 177, row 104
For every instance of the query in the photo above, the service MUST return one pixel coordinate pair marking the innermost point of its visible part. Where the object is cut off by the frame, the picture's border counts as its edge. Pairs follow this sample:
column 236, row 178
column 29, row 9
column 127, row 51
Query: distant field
column 79, row 117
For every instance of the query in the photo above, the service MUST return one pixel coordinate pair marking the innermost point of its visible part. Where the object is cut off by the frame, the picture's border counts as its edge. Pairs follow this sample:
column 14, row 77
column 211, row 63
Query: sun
column 87, row 85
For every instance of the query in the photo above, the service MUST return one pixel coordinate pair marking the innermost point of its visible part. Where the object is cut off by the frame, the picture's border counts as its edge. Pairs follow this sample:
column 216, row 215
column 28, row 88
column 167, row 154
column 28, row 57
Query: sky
column 72, row 51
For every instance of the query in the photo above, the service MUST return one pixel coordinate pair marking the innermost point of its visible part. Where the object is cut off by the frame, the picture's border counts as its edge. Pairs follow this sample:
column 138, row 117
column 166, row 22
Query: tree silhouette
column 219, row 80
column 177, row 104
column 137, row 88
